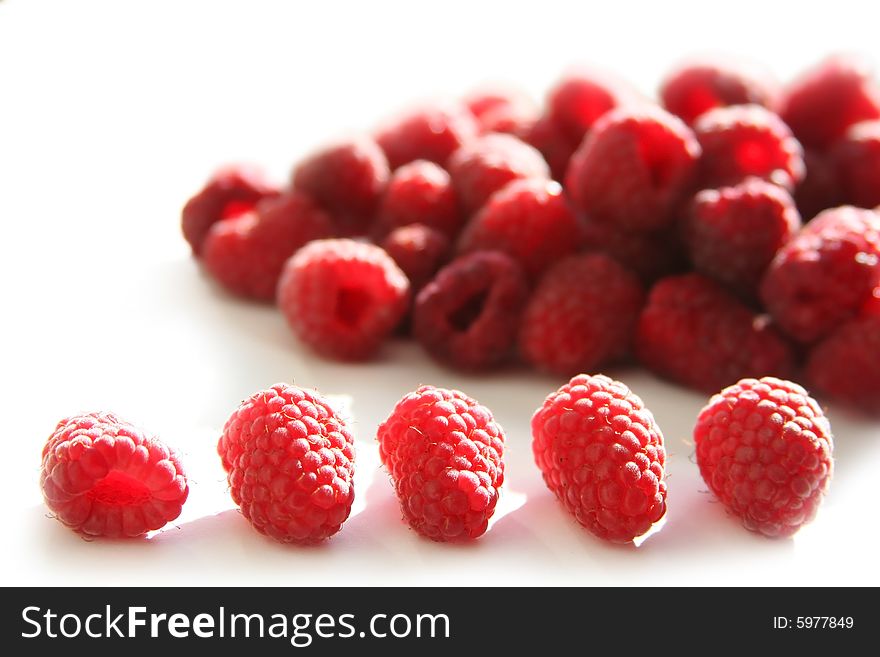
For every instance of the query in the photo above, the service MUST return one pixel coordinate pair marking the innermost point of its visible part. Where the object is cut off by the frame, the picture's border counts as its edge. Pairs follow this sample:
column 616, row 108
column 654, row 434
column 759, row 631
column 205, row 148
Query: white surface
column 112, row 114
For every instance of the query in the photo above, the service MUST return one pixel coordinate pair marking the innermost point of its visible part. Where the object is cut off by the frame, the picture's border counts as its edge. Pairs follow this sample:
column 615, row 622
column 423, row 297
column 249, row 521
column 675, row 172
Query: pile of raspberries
column 728, row 231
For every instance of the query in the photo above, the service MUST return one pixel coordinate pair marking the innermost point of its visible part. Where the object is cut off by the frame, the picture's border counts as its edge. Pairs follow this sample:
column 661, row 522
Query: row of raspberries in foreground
column 763, row 448
column 726, row 231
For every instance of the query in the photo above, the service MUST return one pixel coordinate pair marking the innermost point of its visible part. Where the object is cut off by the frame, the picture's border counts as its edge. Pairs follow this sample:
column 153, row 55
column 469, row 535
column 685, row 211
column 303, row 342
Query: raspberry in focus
column 692, row 331
column 342, row 297
column 231, row 192
column 734, row 232
column 633, row 168
column 529, row 220
column 581, row 316
column 483, row 166
column 246, row 255
column 420, row 193
column 602, row 454
column 747, row 140
column 444, row 452
column 101, row 476
column 764, row 449
column 823, row 275
column 469, row 315
column 289, row 457
column 347, row 179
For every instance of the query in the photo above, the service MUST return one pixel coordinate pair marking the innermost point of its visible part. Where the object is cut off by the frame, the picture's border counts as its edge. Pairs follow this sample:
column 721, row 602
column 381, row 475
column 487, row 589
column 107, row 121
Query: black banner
column 279, row 621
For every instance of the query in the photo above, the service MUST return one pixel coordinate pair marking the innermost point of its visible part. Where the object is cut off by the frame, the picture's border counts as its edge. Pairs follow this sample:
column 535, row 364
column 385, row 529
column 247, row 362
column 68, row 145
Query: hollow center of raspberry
column 752, row 157
column 235, row 209
column 119, row 489
column 467, row 312
column 657, row 161
column 351, row 305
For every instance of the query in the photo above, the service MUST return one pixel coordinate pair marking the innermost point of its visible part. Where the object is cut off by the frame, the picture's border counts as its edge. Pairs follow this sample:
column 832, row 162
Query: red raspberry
column 734, row 232
column 246, row 255
column 695, row 333
column 527, row 219
column 101, row 476
column 485, row 165
column 469, row 314
column 845, row 365
column 231, row 192
column 650, row 256
column 431, row 132
column 764, row 450
column 602, row 455
column 820, row 188
column 581, row 316
column 581, row 98
column 556, row 147
column 632, row 168
column 289, row 457
column 347, row 179
column 825, row 273
column 444, row 453
column 342, row 297
column 857, row 160
column 499, row 109
column 747, row 140
column 826, row 100
column 419, row 251
column 420, row 193
column 698, row 86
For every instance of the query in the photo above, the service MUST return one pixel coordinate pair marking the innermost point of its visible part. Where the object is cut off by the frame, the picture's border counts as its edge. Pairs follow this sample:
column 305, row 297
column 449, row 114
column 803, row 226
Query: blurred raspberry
column 347, row 179
column 469, row 315
column 342, row 297
column 826, row 100
column 500, row 109
column 692, row 331
column 556, row 147
column 734, row 232
column 857, row 159
column 246, row 255
column 747, row 140
column 420, row 193
column 486, row 164
column 581, row 316
column 825, row 273
column 633, row 168
column 527, row 219
column 700, row 85
column 430, row 132
column 444, row 452
column 650, row 255
column 419, row 251
column 582, row 97
column 846, row 364
column 231, row 192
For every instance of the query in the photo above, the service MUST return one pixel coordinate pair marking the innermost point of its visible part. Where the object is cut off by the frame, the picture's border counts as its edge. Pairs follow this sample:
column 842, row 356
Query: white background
column 112, row 114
